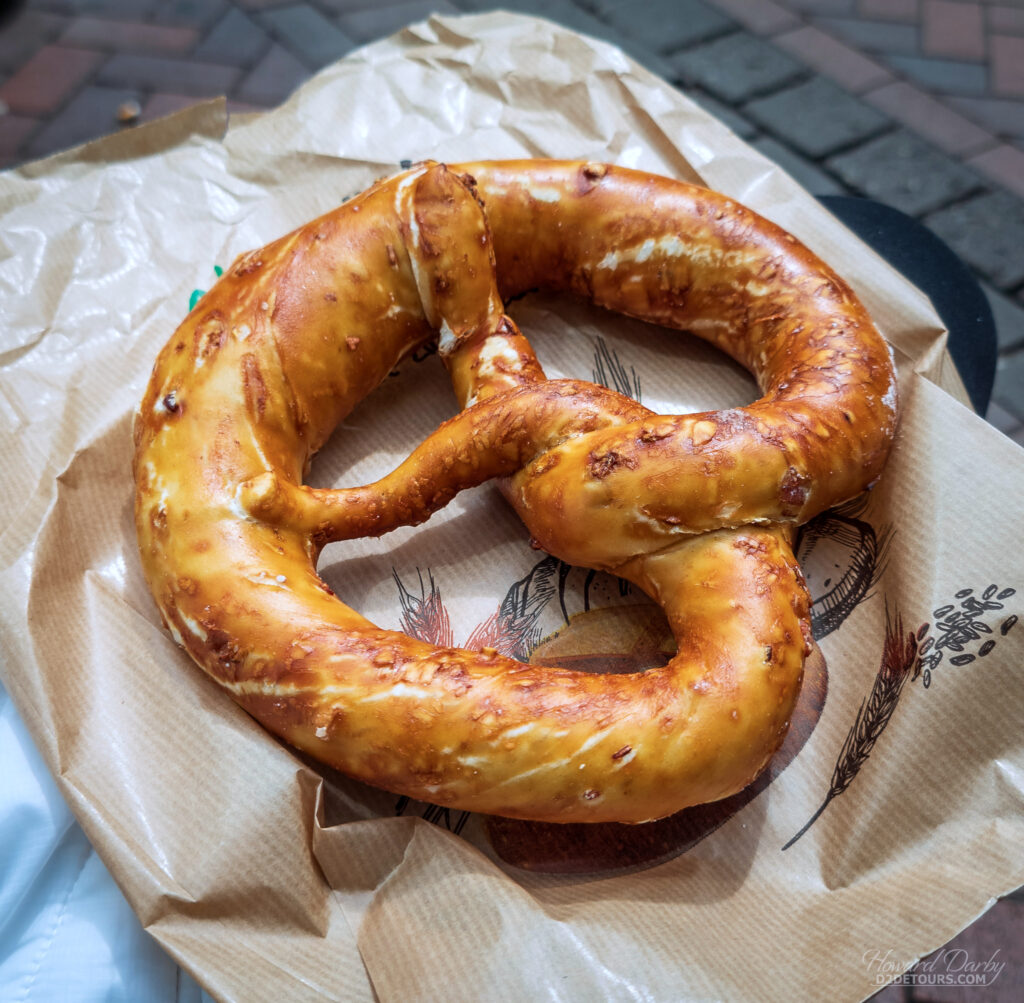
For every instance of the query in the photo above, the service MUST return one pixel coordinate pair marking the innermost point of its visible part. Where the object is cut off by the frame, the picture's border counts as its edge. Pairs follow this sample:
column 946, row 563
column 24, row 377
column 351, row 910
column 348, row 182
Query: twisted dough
column 697, row 510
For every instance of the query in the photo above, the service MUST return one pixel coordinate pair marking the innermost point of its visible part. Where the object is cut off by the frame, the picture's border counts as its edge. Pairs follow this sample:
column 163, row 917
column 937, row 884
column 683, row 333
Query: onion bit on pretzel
column 697, row 510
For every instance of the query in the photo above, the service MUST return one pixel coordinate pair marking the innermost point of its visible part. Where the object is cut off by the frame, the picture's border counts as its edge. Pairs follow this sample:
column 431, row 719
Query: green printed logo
column 198, row 294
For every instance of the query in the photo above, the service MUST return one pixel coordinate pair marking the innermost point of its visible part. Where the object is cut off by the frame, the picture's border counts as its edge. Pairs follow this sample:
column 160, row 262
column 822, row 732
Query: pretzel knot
column 697, row 510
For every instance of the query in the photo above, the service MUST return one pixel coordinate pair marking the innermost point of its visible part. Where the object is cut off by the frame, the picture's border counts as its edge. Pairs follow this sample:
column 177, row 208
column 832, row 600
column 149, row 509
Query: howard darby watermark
column 952, row 966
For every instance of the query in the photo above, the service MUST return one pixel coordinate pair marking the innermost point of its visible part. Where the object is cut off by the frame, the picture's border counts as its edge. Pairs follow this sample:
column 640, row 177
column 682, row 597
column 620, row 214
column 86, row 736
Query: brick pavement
column 915, row 103
column 948, row 77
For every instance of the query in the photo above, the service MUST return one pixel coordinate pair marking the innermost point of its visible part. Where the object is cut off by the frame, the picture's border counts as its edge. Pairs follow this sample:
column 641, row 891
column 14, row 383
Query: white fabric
column 66, row 931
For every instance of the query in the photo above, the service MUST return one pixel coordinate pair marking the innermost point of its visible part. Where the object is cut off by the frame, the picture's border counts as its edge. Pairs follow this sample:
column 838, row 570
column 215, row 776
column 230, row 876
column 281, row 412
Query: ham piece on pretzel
column 697, row 510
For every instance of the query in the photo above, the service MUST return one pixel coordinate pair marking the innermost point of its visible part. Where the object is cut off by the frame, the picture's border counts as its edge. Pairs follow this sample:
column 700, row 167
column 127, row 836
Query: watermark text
column 952, row 966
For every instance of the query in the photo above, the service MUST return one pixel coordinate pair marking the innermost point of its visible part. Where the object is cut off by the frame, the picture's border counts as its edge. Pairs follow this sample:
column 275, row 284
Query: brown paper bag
column 897, row 820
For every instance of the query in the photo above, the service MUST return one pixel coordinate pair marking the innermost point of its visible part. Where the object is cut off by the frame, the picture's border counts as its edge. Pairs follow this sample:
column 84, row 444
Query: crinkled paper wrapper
column 266, row 879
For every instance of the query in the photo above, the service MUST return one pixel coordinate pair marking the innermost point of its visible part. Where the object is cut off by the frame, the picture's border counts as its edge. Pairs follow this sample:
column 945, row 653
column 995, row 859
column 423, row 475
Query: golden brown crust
column 694, row 509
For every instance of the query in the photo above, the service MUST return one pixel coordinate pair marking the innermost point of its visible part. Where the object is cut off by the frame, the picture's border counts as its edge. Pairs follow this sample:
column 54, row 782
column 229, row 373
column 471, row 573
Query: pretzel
column 697, row 510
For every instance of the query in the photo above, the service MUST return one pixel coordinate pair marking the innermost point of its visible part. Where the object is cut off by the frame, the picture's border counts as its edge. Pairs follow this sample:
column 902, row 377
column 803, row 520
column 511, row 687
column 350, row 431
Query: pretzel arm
column 602, row 498
column 476, row 728
column 445, row 236
column 493, row 438
column 694, row 260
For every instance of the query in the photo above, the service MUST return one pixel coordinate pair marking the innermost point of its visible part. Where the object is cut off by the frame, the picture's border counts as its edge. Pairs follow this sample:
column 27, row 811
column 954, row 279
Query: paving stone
column 163, row 73
column 650, row 61
column 1001, row 419
column 889, row 10
column 851, row 69
column 726, row 114
column 307, row 34
column 92, row 112
column 347, row 6
column 14, row 130
column 273, row 78
column 953, row 29
column 823, row 6
column 947, row 129
column 737, row 67
column 1009, row 319
column 563, row 12
column 947, row 76
column 817, row 117
column 1003, row 164
column 874, row 36
column 106, row 33
column 1009, row 20
column 1001, row 116
column 987, row 231
column 24, row 34
column 1007, row 55
column 568, row 14
column 194, row 13
column 379, row 22
column 664, row 26
column 107, row 8
column 803, row 171
column 236, row 39
column 763, row 17
column 159, row 105
column 264, row 4
column 905, row 172
column 41, row 85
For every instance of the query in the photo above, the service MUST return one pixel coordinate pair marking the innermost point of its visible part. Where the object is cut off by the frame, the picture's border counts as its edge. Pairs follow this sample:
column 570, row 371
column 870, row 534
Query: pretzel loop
column 694, row 509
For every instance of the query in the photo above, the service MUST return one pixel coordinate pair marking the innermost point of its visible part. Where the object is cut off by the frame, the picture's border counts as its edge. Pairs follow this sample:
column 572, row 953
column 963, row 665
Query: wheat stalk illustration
column 512, row 629
column 899, row 654
column 610, row 372
column 424, row 615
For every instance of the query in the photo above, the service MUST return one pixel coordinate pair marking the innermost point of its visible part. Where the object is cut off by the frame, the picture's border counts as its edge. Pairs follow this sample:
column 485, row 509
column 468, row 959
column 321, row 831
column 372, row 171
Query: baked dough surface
column 697, row 510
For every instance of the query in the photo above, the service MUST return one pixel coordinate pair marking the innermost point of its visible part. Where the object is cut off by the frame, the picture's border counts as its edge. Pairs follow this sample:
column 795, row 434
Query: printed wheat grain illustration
column 899, row 654
column 513, row 629
column 424, row 616
column 610, row 372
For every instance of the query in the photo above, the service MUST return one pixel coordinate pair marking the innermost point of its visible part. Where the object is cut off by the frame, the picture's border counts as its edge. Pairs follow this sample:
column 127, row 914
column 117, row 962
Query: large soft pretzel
column 697, row 510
